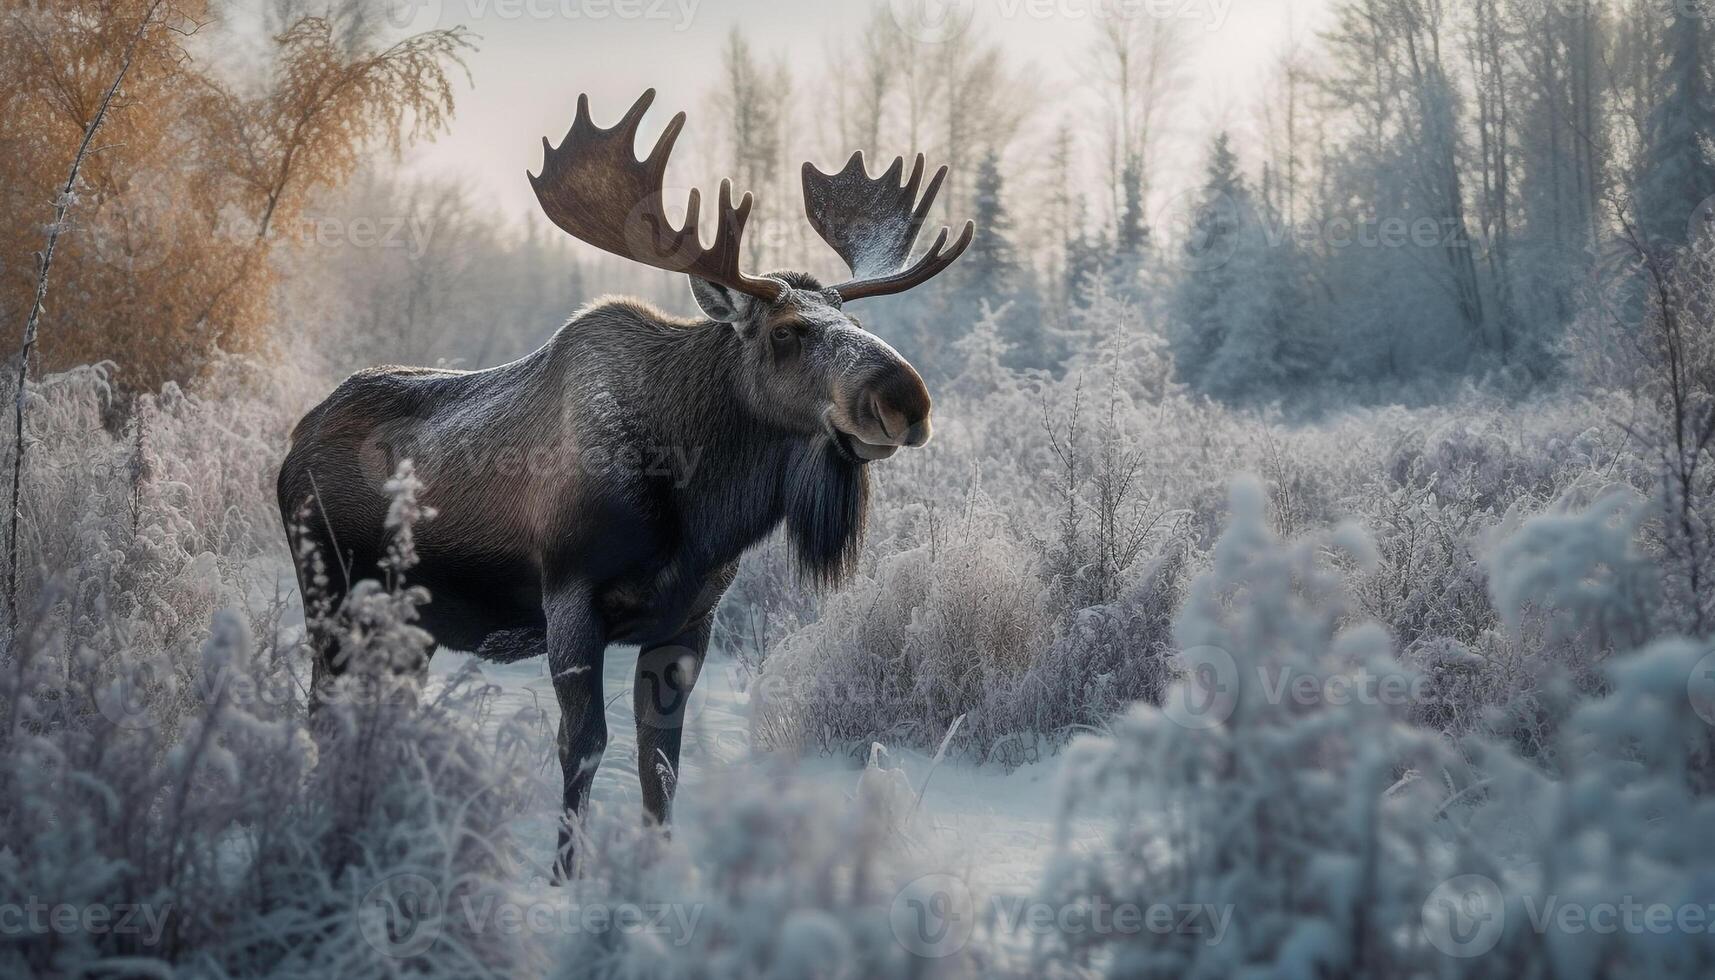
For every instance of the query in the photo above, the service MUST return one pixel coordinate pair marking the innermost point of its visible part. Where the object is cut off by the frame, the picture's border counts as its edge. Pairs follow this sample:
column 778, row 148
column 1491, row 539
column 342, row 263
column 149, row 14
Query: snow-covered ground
column 991, row 827
column 988, row 826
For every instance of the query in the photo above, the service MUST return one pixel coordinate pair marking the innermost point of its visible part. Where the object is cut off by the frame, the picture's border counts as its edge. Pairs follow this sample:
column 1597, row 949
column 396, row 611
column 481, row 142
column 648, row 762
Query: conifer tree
column 1236, row 331
column 1678, row 174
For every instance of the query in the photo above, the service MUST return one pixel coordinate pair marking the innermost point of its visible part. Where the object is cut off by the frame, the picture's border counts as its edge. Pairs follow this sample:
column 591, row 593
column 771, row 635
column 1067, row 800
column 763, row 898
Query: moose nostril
column 918, row 433
column 880, row 413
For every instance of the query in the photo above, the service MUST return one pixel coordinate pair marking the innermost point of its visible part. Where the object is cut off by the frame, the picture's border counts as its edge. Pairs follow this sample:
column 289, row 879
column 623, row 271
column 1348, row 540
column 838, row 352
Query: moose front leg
column 576, row 642
column 666, row 673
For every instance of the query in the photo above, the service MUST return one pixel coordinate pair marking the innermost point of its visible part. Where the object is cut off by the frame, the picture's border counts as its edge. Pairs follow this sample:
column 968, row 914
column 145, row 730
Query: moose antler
column 594, row 188
column 872, row 224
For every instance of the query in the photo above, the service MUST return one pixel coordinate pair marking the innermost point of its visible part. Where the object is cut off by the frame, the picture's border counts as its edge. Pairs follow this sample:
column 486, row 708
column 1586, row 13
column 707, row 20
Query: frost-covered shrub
column 156, row 761
column 1428, row 585
column 228, row 828
column 1573, row 590
column 1577, row 582
column 1648, row 337
column 967, row 623
column 1593, row 871
column 1338, row 841
column 780, row 881
column 1440, row 502
column 904, row 650
column 1109, row 481
column 1274, row 791
column 768, row 600
column 151, row 508
column 1102, row 659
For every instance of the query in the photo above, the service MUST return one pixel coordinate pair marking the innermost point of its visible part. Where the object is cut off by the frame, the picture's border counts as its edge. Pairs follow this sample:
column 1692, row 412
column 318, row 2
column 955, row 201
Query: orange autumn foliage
column 166, row 257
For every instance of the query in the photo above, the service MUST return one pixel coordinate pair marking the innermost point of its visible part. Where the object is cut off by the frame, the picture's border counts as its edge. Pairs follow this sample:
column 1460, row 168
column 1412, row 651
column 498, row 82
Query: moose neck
column 744, row 475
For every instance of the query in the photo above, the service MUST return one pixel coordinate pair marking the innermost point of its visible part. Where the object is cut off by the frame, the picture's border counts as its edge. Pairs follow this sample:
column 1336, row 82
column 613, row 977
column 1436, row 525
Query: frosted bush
column 1259, row 791
column 780, row 881
column 230, row 826
column 1572, row 589
column 1429, row 584
column 155, row 754
column 905, row 649
column 1597, row 871
column 1433, row 485
column 1102, row 659
column 159, row 502
column 1578, row 581
column 1341, row 841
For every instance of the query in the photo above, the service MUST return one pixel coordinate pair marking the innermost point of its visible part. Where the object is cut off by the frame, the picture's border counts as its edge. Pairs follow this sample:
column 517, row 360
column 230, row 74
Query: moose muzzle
column 890, row 410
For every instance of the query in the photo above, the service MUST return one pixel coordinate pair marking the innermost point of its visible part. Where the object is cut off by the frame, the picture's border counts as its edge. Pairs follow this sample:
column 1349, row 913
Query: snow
column 989, row 827
column 990, row 824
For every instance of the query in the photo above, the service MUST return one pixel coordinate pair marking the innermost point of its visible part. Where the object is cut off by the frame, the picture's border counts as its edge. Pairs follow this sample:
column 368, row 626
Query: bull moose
column 778, row 397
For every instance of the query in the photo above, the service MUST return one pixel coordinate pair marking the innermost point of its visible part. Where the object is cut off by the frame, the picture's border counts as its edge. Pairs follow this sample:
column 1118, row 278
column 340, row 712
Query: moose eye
column 782, row 334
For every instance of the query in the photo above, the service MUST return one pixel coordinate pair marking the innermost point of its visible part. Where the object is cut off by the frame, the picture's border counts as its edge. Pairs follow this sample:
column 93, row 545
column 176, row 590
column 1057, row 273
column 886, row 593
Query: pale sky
column 537, row 55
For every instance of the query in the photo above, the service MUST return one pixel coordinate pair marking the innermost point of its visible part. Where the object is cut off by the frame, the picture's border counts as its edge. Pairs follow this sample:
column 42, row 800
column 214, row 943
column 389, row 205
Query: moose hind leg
column 576, row 642
column 661, row 692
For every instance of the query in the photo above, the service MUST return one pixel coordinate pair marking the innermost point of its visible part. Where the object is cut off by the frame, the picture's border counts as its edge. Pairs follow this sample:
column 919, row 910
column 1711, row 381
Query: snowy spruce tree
column 994, row 275
column 991, row 264
column 1234, row 332
column 1677, row 173
column 1125, row 266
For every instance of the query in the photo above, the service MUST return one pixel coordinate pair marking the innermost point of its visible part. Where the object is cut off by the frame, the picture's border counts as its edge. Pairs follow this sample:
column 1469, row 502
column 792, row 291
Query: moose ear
column 720, row 303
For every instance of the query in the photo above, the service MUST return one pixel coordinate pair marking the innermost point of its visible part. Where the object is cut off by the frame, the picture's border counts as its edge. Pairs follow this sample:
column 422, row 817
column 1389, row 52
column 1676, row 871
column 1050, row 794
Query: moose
column 779, row 395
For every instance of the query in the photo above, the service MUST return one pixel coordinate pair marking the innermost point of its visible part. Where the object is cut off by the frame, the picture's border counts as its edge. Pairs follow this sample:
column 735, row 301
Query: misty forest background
column 1415, row 378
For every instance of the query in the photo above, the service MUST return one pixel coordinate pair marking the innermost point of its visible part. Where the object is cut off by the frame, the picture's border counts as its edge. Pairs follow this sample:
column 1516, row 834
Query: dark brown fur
column 602, row 489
